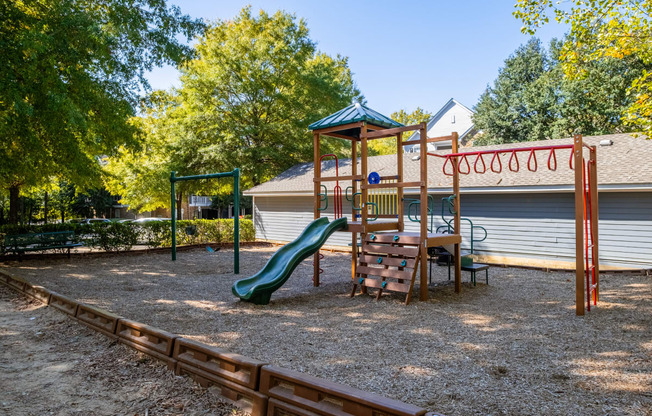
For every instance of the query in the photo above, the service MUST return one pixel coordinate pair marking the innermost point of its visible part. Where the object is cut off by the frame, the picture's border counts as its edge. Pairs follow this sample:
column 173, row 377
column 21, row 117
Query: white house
column 453, row 116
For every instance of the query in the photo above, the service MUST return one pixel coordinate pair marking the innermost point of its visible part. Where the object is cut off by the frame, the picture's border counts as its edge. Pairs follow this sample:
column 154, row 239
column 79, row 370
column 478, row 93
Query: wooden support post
column 354, row 184
column 593, row 166
column 399, row 178
column 423, row 269
column 579, row 226
column 457, row 223
column 363, row 198
column 317, row 188
column 364, row 173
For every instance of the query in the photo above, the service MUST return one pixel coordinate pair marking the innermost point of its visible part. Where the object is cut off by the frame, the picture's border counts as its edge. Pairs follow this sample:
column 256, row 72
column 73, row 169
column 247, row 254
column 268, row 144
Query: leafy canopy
column 245, row 101
column 602, row 29
column 70, row 77
column 387, row 146
column 531, row 99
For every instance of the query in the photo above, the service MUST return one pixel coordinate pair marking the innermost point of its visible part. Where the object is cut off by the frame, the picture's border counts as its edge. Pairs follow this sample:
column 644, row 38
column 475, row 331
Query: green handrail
column 430, row 210
column 449, row 228
column 376, row 207
column 324, row 199
column 352, row 200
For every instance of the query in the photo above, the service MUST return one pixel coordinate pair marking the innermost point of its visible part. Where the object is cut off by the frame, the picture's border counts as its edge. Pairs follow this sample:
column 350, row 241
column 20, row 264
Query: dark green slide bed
column 258, row 288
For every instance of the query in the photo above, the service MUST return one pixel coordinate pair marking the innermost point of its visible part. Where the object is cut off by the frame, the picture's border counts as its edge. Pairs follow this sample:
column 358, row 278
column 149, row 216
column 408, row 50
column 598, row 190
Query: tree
column 520, row 106
column 96, row 202
column 245, row 101
column 387, row 146
column 602, row 30
column 532, row 99
column 63, row 198
column 71, row 74
column 257, row 84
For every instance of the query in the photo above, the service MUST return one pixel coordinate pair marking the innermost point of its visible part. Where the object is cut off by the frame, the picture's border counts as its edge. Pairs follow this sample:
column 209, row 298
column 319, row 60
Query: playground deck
column 478, row 352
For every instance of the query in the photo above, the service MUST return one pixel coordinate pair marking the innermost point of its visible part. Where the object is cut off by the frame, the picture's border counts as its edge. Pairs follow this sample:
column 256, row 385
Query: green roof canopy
column 352, row 114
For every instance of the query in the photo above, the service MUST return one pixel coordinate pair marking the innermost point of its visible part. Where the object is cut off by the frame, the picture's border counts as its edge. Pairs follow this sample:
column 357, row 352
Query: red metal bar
column 586, row 239
column 513, row 157
column 447, row 161
column 468, row 166
column 337, row 191
column 513, row 161
column 500, row 164
column 590, row 219
column 475, row 165
column 532, row 156
column 553, row 158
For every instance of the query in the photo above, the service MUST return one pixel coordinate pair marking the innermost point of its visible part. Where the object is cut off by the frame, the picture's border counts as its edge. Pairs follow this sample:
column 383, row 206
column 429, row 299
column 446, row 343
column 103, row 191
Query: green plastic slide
column 258, row 288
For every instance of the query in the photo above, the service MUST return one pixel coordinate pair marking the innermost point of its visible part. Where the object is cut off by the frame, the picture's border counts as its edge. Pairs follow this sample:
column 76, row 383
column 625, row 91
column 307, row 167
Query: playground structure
column 235, row 174
column 386, row 249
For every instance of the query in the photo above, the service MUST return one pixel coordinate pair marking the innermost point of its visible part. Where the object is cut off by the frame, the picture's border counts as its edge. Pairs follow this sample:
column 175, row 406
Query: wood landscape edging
column 250, row 384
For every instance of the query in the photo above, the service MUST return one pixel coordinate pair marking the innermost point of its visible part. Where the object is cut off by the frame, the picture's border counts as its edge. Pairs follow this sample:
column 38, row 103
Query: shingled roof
column 626, row 164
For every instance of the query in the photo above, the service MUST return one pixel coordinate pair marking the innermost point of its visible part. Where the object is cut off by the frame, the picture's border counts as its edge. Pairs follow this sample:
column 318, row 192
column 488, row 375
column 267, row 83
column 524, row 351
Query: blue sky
column 403, row 54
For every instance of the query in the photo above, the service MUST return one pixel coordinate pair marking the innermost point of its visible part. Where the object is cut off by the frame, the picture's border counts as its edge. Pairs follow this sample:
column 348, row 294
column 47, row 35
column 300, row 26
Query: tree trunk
column 45, row 208
column 179, row 200
column 14, row 200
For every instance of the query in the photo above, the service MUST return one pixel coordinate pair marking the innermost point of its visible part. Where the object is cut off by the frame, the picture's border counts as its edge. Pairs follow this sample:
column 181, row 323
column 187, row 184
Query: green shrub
column 112, row 236
column 154, row 233
column 121, row 236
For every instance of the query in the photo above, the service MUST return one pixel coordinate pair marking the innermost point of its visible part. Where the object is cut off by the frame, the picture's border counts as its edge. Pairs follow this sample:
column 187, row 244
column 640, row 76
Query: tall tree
column 602, row 30
column 70, row 77
column 387, row 146
column 257, row 84
column 245, row 102
column 531, row 99
column 520, row 105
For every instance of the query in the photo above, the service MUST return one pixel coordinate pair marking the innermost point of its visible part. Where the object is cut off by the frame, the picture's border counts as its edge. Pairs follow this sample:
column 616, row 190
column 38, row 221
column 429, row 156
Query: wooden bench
column 22, row 243
column 477, row 267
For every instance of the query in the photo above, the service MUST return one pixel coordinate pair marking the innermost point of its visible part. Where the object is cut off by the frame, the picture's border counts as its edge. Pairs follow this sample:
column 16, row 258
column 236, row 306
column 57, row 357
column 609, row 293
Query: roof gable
column 438, row 116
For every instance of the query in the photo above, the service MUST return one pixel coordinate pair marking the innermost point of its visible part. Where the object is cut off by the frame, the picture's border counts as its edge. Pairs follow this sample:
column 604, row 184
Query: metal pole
column 173, row 215
column 236, row 221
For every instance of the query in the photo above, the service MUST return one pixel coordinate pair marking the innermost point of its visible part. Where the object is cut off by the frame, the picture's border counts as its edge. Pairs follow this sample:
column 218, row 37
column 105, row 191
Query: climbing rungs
column 393, row 274
column 393, row 238
column 393, row 286
column 399, row 251
column 388, row 261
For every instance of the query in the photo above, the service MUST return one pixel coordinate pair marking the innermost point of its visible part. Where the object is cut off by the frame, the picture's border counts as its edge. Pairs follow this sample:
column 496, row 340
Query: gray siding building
column 529, row 216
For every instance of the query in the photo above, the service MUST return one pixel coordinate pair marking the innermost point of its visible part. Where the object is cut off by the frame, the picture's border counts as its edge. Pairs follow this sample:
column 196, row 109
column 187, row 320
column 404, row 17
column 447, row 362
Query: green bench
column 22, row 243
